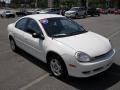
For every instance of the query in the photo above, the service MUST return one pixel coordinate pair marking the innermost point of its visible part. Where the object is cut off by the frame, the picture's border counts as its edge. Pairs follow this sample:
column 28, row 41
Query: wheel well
column 10, row 37
column 51, row 53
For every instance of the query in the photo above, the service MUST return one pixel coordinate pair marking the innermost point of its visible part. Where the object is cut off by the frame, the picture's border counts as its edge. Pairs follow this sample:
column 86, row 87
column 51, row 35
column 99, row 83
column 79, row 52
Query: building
column 50, row 3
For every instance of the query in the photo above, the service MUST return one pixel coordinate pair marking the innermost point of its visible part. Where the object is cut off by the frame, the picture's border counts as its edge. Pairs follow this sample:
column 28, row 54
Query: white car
column 7, row 14
column 76, row 12
column 63, row 44
column 50, row 11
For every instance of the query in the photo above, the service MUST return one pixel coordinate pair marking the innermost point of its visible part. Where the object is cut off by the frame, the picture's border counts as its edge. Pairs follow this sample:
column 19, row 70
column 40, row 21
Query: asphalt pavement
column 21, row 71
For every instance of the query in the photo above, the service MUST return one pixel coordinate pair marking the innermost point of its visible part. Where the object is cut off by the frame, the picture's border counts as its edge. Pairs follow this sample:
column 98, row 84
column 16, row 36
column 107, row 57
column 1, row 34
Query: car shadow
column 101, row 81
column 32, row 59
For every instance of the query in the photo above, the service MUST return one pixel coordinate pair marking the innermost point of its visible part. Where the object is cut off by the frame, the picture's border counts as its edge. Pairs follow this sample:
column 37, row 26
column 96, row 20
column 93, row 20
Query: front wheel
column 57, row 66
column 76, row 16
column 84, row 16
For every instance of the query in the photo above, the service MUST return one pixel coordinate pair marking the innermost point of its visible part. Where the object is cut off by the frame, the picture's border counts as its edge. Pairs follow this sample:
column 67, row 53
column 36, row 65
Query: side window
column 33, row 27
column 21, row 24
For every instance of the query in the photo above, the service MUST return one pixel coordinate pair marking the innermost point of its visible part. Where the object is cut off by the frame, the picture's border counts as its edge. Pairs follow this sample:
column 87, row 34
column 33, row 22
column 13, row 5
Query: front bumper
column 89, row 68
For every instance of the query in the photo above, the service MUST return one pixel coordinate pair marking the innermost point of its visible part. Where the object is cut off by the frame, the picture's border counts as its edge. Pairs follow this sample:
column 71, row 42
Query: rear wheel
column 13, row 45
column 85, row 15
column 1, row 16
column 92, row 15
column 13, row 16
column 98, row 14
column 57, row 66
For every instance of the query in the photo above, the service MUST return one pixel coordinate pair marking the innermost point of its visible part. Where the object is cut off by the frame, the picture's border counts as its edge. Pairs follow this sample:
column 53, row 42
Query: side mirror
column 36, row 35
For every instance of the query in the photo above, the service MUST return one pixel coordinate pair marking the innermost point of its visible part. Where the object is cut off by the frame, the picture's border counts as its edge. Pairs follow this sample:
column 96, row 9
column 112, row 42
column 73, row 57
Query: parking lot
column 21, row 71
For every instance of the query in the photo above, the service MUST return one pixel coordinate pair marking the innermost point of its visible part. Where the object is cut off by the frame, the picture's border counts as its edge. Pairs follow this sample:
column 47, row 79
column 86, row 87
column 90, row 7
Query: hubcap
column 56, row 67
column 12, row 44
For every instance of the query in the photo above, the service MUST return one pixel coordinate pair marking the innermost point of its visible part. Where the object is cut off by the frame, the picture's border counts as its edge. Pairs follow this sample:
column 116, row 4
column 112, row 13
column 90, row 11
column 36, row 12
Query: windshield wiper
column 75, row 33
column 59, row 35
column 70, row 34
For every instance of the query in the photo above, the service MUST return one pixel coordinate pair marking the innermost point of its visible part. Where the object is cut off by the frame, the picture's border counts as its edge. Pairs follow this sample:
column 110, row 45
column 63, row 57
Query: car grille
column 107, row 55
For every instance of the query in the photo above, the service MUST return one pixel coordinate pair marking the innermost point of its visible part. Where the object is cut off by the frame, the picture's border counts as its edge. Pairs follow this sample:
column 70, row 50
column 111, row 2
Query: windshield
column 61, row 27
column 74, row 9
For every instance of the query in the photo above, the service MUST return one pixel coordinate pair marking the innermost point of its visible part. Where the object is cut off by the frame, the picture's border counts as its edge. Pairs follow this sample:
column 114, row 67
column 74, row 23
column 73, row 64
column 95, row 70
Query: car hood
column 43, row 11
column 70, row 12
column 89, row 43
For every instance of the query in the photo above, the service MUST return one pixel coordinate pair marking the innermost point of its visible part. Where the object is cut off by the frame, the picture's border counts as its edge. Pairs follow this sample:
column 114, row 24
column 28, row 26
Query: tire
column 6, row 16
column 92, row 15
column 76, row 15
column 57, row 66
column 13, row 16
column 84, row 16
column 1, row 16
column 13, row 45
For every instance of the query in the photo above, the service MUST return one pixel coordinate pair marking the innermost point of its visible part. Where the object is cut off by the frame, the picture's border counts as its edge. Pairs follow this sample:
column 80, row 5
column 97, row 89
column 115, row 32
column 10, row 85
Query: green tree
column 42, row 3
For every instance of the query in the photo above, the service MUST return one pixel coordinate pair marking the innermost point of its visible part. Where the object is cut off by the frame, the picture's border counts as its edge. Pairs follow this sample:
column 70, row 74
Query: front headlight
column 82, row 57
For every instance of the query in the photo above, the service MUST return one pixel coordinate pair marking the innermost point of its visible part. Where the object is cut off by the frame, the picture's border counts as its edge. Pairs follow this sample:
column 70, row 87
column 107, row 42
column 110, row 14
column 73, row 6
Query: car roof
column 78, row 7
column 75, row 7
column 43, row 16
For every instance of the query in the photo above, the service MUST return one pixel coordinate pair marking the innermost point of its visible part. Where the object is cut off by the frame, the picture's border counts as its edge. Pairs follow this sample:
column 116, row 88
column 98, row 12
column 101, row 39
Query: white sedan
column 64, row 45
column 7, row 14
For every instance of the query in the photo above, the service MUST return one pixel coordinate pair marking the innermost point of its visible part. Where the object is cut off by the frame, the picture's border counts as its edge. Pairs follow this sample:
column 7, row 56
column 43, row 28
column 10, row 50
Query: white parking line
column 34, row 82
column 114, row 34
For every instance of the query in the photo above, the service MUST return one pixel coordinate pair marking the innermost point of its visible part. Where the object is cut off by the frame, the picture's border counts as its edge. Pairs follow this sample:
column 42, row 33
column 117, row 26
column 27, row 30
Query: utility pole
column 36, row 3
column 87, row 3
column 25, row 3
column 107, row 3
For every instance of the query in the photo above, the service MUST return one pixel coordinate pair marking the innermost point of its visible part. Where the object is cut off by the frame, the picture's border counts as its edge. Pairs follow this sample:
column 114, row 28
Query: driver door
column 35, row 46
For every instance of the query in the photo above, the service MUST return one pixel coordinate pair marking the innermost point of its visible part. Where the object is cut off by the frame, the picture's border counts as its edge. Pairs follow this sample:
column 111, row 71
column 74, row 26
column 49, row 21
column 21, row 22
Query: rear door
column 19, row 30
